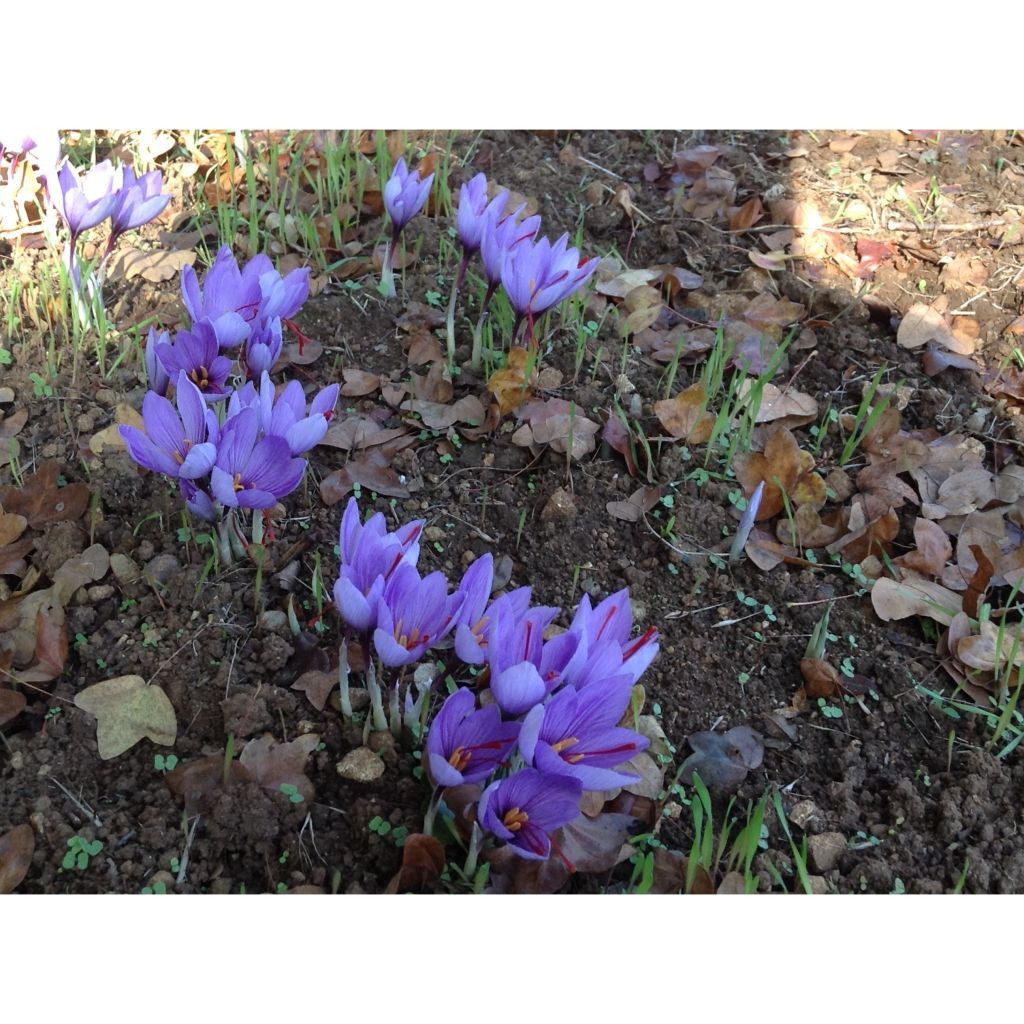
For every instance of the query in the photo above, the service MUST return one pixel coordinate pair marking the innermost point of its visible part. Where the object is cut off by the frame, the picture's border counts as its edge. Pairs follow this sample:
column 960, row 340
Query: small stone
column 381, row 742
column 434, row 533
column 273, row 620
column 124, row 568
column 803, row 813
column 145, row 551
column 361, row 765
column 358, row 698
column 468, row 558
column 977, row 420
column 6, row 395
column 162, row 876
column 101, row 592
column 162, row 567
column 819, row 887
column 857, row 209
column 825, row 850
column 85, row 422
column 561, row 505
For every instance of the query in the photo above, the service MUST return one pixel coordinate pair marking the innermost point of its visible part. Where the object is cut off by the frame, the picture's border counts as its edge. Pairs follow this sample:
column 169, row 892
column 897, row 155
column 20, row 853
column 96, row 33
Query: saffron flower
column 524, row 809
column 606, row 647
column 369, row 557
column 404, row 196
column 413, row 614
column 525, row 669
column 474, row 212
column 87, row 201
column 285, row 414
column 139, row 200
column 465, row 745
column 197, row 500
column 229, row 299
column 197, row 353
column 175, row 443
column 261, row 350
column 156, row 376
column 500, row 235
column 539, row 276
column 577, row 734
column 252, row 472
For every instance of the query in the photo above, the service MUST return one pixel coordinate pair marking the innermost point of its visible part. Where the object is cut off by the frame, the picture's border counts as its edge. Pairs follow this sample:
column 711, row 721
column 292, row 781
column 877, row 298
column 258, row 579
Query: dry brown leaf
column 274, row 764
column 685, row 417
column 42, row 501
column 511, row 385
column 11, row 703
column 16, row 849
column 359, row 382
column 892, row 600
column 779, row 464
column 126, row 711
column 796, row 407
column 12, row 526
column 109, row 439
column 747, row 215
column 155, row 266
column 317, row 686
column 933, row 550
column 423, row 860
column 821, row 679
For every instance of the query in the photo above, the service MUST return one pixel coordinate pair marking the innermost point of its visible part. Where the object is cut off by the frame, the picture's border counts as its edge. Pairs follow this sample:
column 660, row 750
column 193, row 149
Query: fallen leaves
column 42, row 501
column 722, row 760
column 279, row 767
column 685, row 417
column 128, row 710
column 16, row 849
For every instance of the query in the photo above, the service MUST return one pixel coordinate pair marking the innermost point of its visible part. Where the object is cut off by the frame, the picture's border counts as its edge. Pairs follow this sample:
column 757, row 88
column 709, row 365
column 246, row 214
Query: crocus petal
column 518, row 688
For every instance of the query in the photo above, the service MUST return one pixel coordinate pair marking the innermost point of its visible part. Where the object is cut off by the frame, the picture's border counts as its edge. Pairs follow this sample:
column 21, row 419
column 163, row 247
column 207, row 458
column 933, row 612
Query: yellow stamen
column 460, row 758
column 239, row 486
column 515, row 819
column 562, row 744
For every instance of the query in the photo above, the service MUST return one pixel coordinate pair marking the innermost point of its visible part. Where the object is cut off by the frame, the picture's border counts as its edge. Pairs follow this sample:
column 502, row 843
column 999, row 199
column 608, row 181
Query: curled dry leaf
column 912, row 596
column 933, row 550
column 642, row 500
column 595, row 843
column 126, row 711
column 154, row 266
column 685, row 417
column 512, row 384
column 359, row 382
column 723, row 759
column 795, row 407
column 12, row 526
column 11, row 705
column 109, row 439
column 274, row 764
column 317, row 686
column 423, row 861
column 42, row 501
column 779, row 464
column 198, row 783
column 821, row 679
column 16, row 849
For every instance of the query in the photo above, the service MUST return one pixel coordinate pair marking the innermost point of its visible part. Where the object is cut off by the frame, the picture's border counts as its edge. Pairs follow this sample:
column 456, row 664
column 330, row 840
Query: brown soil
column 914, row 802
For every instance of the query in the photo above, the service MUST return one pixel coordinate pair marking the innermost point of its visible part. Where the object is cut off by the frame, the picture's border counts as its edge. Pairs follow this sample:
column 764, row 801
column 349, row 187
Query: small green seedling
column 165, row 763
column 80, row 850
column 156, row 889
column 292, row 792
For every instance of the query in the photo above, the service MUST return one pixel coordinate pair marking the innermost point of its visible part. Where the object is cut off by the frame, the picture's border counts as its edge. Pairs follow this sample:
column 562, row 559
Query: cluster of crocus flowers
column 405, row 194
column 551, row 727
column 104, row 191
column 229, row 447
column 536, row 275
column 247, row 458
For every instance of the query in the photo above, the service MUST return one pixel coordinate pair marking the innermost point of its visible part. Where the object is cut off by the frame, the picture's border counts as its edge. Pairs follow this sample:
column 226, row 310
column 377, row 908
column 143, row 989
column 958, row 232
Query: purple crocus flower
column 229, row 300
column 524, row 809
column 369, row 557
column 285, row 414
column 405, row 195
column 84, row 202
column 499, row 236
column 413, row 614
column 157, row 377
column 605, row 638
column 282, row 297
column 539, row 276
column 577, row 734
column 465, row 745
column 139, row 201
column 175, row 443
column 261, row 350
column 474, row 210
column 525, row 669
column 253, row 472
column 197, row 353
column 197, row 500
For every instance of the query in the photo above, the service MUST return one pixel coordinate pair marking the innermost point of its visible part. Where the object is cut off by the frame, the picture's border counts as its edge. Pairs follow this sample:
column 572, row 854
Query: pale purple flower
column 524, row 809
column 229, row 299
column 253, row 472
column 465, row 745
column 261, row 350
column 157, row 377
column 197, row 500
column 405, row 195
column 499, row 236
column 139, row 201
column 605, row 642
column 525, row 668
column 175, row 442
column 369, row 557
column 474, row 211
column 284, row 414
column 197, row 353
column 413, row 615
column 84, row 202
column 577, row 734
column 539, row 276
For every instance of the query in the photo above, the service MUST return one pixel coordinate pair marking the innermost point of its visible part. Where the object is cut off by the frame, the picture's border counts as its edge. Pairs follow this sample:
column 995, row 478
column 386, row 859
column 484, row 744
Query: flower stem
column 478, row 331
column 432, row 808
column 460, row 277
column 379, row 719
column 387, row 272
column 343, row 673
column 476, row 840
